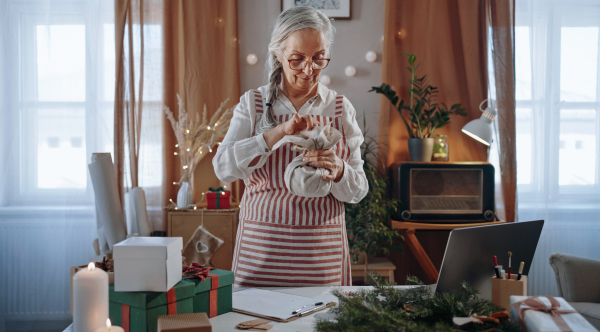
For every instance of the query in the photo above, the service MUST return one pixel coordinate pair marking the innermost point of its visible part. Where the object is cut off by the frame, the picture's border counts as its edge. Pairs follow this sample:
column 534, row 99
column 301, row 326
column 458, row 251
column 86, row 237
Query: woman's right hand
column 298, row 123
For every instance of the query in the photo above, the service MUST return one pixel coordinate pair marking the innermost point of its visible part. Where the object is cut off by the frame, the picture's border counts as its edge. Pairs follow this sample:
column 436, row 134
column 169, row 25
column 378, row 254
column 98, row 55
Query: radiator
column 35, row 257
column 565, row 238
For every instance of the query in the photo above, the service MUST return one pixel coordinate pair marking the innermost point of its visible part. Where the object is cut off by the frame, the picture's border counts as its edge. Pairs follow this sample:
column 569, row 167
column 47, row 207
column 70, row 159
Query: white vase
column 185, row 196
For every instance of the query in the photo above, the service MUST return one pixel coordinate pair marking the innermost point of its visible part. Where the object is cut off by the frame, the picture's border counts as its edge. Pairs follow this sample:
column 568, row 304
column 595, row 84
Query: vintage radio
column 444, row 192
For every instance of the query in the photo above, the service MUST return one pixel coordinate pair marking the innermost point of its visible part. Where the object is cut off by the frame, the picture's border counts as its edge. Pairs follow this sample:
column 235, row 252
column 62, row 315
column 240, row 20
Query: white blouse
column 238, row 148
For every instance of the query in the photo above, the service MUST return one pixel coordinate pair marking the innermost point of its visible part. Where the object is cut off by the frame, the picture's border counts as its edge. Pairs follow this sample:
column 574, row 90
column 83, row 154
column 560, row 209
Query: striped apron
column 288, row 240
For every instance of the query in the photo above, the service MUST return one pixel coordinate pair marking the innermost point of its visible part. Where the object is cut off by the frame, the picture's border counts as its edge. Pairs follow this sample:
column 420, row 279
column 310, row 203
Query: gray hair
column 289, row 21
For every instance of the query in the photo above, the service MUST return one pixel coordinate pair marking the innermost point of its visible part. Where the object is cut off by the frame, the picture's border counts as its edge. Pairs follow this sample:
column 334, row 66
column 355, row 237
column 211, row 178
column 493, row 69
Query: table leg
column 424, row 260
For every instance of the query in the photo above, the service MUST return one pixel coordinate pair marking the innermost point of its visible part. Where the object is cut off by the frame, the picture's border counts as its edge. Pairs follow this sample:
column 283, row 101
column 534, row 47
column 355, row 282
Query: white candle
column 110, row 328
column 90, row 299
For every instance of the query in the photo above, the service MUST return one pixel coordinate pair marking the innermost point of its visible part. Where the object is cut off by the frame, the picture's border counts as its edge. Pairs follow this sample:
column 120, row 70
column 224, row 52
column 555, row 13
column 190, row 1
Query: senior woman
column 284, row 239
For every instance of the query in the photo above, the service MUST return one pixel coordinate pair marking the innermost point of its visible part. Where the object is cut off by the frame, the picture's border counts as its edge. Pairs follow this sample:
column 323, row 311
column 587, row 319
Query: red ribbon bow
column 195, row 271
column 537, row 305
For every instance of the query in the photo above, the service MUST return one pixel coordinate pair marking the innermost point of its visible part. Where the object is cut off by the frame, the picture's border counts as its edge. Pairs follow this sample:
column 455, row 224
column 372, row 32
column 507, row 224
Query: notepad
column 273, row 305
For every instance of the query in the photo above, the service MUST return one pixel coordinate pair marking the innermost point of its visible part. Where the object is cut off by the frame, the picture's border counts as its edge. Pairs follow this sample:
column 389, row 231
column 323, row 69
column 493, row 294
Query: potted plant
column 368, row 222
column 424, row 114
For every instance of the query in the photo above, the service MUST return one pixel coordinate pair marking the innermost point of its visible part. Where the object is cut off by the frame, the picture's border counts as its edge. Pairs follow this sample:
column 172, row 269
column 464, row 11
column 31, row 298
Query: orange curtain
column 449, row 40
column 201, row 64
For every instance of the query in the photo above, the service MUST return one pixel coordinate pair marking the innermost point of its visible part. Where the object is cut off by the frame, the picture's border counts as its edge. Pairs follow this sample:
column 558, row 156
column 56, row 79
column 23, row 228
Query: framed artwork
column 338, row 9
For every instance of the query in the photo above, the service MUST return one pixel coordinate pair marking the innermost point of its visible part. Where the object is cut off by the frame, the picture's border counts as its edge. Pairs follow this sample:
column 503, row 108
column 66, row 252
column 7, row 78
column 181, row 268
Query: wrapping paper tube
column 108, row 206
column 130, row 215
column 138, row 202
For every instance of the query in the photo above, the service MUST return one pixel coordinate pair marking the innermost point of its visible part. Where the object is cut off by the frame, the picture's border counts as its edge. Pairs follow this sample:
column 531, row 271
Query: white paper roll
column 138, row 202
column 130, row 215
column 106, row 194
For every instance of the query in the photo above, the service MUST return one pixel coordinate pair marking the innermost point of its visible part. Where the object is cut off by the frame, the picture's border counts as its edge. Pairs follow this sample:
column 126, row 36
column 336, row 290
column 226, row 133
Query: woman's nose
column 308, row 70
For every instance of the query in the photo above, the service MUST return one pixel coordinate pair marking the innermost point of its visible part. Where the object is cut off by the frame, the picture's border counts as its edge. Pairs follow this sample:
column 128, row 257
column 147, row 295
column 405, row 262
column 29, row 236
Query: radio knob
column 488, row 215
column 405, row 215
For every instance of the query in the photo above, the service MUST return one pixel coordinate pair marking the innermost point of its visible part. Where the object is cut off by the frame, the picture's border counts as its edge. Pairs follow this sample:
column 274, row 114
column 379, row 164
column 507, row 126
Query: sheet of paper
column 270, row 303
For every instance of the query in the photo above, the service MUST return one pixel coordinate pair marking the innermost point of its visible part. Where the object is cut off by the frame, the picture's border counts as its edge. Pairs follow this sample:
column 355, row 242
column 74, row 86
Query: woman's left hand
column 326, row 159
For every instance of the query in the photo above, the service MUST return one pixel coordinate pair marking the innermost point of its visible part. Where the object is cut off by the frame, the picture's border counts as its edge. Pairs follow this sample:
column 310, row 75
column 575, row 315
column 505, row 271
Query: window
column 558, row 127
column 62, row 107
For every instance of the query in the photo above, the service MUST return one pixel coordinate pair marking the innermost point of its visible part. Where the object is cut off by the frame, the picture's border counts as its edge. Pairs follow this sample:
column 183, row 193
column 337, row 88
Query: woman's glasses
column 300, row 64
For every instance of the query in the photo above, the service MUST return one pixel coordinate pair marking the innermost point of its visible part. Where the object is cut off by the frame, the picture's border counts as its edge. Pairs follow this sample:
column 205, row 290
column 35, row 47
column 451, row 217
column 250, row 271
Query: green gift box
column 213, row 295
column 139, row 311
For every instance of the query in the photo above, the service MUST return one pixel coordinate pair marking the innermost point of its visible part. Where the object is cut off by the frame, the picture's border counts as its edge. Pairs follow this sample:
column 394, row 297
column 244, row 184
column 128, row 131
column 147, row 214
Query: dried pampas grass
column 195, row 138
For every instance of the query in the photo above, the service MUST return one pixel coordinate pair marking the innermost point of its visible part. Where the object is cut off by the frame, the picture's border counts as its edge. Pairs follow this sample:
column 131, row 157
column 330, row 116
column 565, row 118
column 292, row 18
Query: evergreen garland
column 386, row 308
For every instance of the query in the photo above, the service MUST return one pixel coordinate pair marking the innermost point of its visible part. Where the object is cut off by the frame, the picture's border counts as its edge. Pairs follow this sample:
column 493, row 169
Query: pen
column 496, row 267
column 509, row 257
column 520, row 270
column 297, row 311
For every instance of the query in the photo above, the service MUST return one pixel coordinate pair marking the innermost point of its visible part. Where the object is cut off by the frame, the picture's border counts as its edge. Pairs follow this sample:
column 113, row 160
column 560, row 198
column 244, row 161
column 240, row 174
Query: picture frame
column 337, row 9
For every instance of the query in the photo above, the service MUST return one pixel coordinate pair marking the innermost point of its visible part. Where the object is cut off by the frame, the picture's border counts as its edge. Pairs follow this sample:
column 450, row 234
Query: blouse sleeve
column 353, row 186
column 239, row 148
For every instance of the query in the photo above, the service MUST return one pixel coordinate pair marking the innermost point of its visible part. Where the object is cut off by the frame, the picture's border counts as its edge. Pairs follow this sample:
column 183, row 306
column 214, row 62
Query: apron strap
column 258, row 106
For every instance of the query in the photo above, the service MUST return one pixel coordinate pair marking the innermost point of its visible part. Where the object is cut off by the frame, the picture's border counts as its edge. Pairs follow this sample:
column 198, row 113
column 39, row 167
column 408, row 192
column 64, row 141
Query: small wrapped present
column 213, row 289
column 184, row 323
column 548, row 314
column 139, row 311
column 217, row 198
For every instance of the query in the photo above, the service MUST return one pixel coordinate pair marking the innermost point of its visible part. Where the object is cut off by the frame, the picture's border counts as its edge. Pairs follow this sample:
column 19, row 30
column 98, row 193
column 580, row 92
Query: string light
column 216, row 123
column 176, row 145
column 185, row 167
column 174, row 182
column 208, row 127
column 218, row 143
column 187, row 131
column 175, row 153
column 209, row 149
column 188, row 149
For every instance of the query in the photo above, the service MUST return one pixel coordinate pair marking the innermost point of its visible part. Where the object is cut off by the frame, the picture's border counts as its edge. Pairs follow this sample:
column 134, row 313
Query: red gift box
column 218, row 200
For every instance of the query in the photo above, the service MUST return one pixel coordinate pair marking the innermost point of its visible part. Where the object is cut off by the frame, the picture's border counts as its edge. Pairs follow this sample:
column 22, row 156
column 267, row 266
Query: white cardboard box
column 539, row 321
column 147, row 264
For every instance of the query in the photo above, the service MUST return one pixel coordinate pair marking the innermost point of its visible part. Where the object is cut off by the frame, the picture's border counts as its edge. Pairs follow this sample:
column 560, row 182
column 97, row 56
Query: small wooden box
column 220, row 223
column 502, row 289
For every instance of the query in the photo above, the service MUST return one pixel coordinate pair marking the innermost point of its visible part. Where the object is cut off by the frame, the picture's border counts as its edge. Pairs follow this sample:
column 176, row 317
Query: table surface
column 228, row 321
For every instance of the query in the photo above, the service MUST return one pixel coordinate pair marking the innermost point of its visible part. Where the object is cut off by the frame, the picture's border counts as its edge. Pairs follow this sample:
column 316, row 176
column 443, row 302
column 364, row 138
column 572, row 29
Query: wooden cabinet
column 220, row 223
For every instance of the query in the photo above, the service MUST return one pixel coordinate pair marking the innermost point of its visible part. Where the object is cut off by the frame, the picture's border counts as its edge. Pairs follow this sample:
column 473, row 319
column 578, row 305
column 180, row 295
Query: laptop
column 469, row 254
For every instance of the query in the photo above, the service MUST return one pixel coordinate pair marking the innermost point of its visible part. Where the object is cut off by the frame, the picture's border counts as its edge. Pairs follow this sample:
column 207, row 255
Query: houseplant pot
column 420, row 149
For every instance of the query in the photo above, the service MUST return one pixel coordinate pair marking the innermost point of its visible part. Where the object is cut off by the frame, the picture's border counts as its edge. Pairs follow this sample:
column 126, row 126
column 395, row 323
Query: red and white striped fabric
column 288, row 240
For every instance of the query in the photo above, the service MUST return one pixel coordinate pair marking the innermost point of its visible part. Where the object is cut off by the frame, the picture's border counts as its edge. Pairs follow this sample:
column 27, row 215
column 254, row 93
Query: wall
column 354, row 38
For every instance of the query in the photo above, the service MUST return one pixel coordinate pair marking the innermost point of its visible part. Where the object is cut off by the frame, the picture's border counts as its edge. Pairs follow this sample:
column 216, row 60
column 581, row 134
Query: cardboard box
column 147, row 264
column 139, row 311
column 184, row 323
column 213, row 295
column 74, row 269
column 537, row 321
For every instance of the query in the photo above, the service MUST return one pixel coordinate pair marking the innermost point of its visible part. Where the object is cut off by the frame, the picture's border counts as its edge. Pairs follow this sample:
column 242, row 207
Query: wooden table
column 408, row 230
column 381, row 265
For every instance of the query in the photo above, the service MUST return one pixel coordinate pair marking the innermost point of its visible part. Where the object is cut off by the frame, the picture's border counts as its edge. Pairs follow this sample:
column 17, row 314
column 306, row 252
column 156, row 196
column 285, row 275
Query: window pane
column 578, row 64
column 109, row 62
column 61, row 149
column 522, row 63
column 524, row 152
column 577, row 154
column 60, row 62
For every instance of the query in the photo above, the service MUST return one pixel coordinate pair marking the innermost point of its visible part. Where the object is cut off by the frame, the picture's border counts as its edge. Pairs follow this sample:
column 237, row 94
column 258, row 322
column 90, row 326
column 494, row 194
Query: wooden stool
column 381, row 265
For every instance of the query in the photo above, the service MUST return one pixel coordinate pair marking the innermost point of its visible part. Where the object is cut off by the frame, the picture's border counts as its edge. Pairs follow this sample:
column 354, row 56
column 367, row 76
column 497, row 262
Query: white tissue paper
column 110, row 219
column 304, row 180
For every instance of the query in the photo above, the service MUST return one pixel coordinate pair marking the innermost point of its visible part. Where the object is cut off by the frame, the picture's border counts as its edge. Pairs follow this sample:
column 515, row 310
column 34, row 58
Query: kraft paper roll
column 130, row 215
column 137, row 198
column 106, row 194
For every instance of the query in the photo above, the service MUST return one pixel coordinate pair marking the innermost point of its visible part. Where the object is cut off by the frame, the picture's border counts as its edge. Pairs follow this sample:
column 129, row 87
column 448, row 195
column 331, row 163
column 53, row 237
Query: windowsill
column 44, row 212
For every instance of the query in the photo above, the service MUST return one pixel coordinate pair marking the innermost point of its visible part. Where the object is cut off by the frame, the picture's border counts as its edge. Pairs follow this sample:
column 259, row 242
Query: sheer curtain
column 558, row 129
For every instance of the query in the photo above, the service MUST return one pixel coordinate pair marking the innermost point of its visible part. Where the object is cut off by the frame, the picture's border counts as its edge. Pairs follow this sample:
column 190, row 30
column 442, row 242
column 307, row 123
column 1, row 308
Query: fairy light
column 187, row 131
column 174, row 182
column 185, row 166
column 216, row 123
column 175, row 153
column 188, row 150
column 176, row 145
column 223, row 193
column 208, row 127
column 209, row 149
column 218, row 143
column 195, row 208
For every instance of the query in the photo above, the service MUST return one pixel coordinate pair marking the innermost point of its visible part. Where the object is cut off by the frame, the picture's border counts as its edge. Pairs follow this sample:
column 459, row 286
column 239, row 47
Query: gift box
column 546, row 313
column 213, row 295
column 139, row 311
column 197, row 322
column 147, row 264
column 218, row 199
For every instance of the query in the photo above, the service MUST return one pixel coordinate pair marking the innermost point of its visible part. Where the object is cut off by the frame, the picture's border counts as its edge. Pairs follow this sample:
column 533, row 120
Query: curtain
column 138, row 103
column 202, row 66
column 557, row 129
column 56, row 105
column 449, row 40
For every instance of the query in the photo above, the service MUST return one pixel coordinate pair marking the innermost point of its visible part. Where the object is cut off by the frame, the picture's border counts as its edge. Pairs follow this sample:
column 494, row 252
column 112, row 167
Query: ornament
column 350, row 71
column 371, row 56
column 325, row 79
column 252, row 59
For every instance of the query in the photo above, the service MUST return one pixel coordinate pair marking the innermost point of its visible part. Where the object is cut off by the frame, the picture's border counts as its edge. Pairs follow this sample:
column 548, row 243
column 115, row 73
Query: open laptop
column 469, row 254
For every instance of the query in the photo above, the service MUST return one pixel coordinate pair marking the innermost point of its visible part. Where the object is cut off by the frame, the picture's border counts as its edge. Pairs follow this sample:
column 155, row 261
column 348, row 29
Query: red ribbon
column 199, row 271
column 537, row 305
column 171, row 309
column 125, row 317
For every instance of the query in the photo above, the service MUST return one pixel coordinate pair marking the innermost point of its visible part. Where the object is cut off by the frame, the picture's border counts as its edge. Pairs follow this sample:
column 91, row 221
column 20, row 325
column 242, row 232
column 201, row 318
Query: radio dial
column 405, row 215
column 488, row 215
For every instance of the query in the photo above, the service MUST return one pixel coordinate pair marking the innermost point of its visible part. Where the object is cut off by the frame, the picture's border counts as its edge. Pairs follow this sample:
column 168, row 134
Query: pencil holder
column 502, row 289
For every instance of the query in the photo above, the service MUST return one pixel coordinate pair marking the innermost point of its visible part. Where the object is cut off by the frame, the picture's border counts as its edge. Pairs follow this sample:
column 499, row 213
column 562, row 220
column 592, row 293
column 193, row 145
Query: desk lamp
column 481, row 129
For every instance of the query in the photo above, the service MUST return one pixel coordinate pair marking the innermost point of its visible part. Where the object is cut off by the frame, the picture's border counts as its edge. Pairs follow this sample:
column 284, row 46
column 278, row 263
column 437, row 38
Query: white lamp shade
column 479, row 130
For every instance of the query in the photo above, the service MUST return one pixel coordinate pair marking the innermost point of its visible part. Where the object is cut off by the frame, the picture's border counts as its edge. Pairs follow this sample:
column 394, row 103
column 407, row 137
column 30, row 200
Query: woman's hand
column 298, row 123
column 326, row 159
